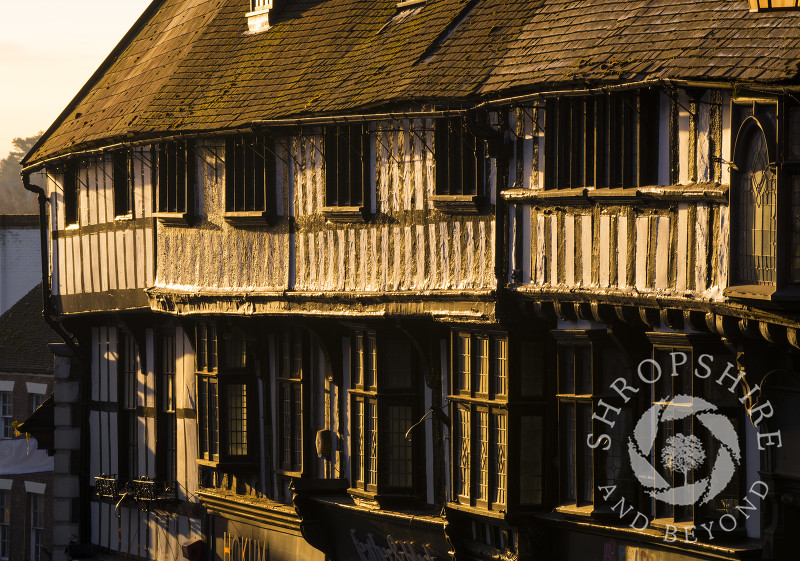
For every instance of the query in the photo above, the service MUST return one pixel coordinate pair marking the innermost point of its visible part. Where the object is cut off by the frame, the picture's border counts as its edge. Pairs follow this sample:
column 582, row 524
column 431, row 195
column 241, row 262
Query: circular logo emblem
column 681, row 453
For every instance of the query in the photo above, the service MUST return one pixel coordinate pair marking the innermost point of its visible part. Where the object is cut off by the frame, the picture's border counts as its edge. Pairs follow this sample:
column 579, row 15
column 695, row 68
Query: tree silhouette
column 14, row 199
column 683, row 453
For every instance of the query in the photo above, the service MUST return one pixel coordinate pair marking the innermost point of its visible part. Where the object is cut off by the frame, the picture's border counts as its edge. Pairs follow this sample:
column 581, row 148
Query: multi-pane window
column 6, row 411
column 259, row 5
column 71, row 183
column 346, row 165
column 175, row 177
column 38, row 552
column 36, row 400
column 592, row 437
column 249, row 174
column 123, row 197
column 601, row 141
column 128, row 424
column 479, row 399
column 207, row 391
column 223, row 389
column 756, row 214
column 167, row 424
column 575, row 417
column 5, row 525
column 460, row 159
column 383, row 396
column 290, row 401
column 685, row 449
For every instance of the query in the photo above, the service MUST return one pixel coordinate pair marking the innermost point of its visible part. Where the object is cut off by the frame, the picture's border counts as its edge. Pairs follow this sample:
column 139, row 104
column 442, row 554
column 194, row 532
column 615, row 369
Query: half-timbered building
column 485, row 279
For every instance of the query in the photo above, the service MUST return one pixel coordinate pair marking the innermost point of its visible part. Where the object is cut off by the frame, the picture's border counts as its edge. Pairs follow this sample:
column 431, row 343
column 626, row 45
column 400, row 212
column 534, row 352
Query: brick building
column 26, row 472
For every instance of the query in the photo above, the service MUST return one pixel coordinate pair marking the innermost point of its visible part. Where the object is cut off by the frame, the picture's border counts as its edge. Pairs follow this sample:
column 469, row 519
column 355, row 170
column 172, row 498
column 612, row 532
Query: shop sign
column 395, row 550
column 237, row 548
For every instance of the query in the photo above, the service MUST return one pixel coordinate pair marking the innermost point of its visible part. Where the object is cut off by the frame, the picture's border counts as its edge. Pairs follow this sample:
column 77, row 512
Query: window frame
column 122, row 183
column 174, row 182
column 127, row 415
column 578, row 147
column 6, row 415
column 220, row 373
column 694, row 345
column 348, row 176
column 5, row 524
column 372, row 399
column 470, row 404
column 250, row 180
column 166, row 405
column 462, row 167
column 71, row 194
column 36, row 514
column 754, row 119
column 290, row 382
column 585, row 500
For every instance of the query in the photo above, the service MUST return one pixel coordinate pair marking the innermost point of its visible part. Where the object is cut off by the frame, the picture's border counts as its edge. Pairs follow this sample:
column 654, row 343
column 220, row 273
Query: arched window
column 754, row 238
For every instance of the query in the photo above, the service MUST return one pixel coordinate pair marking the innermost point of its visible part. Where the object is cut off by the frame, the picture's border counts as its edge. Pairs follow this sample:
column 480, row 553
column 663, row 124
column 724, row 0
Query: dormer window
column 766, row 5
column 258, row 16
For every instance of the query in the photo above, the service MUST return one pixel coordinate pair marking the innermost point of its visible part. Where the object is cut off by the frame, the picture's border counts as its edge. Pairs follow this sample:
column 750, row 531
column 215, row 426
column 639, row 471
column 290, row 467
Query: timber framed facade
column 418, row 305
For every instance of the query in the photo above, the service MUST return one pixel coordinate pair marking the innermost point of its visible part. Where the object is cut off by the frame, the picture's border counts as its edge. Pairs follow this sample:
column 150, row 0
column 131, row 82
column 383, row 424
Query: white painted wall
column 20, row 262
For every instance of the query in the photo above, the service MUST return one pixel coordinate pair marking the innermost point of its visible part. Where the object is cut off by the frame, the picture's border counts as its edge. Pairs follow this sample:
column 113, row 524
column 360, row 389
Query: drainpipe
column 47, row 310
column 69, row 339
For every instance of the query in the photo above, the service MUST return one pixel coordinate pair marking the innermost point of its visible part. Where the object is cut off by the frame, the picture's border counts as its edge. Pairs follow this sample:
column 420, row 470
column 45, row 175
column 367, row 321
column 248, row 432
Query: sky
column 48, row 50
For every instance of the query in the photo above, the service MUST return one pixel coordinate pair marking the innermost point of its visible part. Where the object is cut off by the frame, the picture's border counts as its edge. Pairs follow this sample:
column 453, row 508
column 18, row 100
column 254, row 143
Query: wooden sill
column 695, row 192
column 228, row 464
column 174, row 218
column 574, row 510
column 248, row 218
column 763, row 292
column 123, row 217
column 458, row 204
column 478, row 511
column 343, row 214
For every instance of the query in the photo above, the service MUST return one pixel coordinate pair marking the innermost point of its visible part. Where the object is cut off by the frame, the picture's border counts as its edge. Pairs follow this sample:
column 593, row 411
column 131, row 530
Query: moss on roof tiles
column 341, row 56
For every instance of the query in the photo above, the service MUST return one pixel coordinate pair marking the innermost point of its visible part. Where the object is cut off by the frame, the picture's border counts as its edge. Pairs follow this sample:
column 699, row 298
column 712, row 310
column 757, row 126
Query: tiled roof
column 24, row 336
column 607, row 41
column 191, row 67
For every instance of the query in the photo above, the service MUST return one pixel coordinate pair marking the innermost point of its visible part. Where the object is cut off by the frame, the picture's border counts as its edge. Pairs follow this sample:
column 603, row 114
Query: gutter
column 583, row 92
column 254, row 126
column 263, row 124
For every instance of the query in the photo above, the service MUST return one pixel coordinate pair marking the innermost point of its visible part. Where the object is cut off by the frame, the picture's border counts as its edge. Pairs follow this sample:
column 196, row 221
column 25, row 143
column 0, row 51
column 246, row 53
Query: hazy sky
column 48, row 50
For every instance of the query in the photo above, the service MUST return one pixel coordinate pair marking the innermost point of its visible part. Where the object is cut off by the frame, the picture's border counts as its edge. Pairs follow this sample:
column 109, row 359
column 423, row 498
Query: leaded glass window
column 757, row 227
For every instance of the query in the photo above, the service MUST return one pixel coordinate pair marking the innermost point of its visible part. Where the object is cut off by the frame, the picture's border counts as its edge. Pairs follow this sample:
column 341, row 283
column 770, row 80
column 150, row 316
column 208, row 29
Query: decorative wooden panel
column 662, row 251
column 103, row 262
